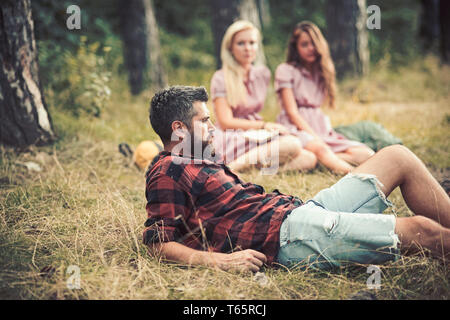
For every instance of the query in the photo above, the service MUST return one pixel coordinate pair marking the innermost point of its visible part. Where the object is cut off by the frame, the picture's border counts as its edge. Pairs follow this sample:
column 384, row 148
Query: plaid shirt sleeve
column 167, row 207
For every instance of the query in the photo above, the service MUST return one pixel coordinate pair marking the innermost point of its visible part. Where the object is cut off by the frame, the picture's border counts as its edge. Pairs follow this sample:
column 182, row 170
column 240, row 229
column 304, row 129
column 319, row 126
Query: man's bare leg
column 420, row 232
column 397, row 166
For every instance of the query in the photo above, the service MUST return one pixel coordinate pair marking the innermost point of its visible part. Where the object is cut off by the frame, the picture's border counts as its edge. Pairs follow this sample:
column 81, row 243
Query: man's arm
column 245, row 260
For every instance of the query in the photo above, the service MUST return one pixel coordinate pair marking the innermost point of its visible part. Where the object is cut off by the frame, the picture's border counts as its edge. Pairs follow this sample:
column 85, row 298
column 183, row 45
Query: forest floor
column 86, row 206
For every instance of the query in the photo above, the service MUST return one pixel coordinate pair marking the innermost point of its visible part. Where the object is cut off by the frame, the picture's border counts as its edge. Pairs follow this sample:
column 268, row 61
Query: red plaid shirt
column 205, row 206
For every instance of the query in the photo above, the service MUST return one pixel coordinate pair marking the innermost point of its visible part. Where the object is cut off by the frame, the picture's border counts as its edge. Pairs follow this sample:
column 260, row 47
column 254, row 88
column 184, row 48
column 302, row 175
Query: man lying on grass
column 201, row 213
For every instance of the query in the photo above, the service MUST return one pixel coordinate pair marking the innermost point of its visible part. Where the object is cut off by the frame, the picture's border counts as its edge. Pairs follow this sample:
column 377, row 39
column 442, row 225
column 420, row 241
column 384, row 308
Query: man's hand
column 243, row 261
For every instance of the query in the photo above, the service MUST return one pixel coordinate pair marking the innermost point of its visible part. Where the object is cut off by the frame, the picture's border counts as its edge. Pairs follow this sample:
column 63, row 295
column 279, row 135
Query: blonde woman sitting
column 238, row 93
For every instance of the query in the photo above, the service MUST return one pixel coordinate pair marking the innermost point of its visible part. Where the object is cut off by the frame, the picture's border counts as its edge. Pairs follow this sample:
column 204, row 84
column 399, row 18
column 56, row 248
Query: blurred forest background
column 187, row 40
column 76, row 201
column 153, row 43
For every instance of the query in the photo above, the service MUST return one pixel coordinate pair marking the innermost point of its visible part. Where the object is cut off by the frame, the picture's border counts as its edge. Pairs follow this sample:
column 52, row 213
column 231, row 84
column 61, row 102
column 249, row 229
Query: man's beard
column 203, row 149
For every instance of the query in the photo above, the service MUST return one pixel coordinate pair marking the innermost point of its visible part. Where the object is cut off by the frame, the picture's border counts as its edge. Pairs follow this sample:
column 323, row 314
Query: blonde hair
column 324, row 63
column 233, row 72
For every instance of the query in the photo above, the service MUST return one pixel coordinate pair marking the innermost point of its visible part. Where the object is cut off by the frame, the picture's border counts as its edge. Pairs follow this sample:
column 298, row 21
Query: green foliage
column 186, row 36
column 185, row 18
column 397, row 40
column 98, row 20
column 189, row 63
column 81, row 83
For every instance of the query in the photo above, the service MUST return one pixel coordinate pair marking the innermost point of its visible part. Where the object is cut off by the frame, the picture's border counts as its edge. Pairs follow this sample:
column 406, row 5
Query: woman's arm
column 290, row 106
column 245, row 260
column 224, row 116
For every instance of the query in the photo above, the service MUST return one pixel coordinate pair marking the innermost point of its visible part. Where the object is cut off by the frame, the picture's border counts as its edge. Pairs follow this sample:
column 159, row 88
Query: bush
column 78, row 82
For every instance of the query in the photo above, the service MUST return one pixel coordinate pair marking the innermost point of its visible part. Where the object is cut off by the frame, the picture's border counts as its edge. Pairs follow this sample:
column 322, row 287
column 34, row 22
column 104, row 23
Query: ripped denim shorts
column 341, row 225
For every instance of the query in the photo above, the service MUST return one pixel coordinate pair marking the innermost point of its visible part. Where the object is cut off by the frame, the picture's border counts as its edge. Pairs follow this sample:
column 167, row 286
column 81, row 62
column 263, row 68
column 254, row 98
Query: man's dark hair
column 171, row 104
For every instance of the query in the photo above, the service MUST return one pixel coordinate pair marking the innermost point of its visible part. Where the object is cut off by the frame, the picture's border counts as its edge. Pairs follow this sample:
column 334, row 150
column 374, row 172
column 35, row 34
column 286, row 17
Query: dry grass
column 86, row 206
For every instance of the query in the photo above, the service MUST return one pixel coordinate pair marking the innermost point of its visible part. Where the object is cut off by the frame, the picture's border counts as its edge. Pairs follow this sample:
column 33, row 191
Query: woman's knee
column 360, row 154
column 310, row 159
column 290, row 146
column 318, row 148
column 366, row 151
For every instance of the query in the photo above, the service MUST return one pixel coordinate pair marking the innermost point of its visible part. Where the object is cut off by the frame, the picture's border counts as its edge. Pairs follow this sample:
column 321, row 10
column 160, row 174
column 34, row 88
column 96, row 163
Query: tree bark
column 134, row 41
column 250, row 11
column 142, row 51
column 225, row 12
column 429, row 24
column 24, row 115
column 264, row 13
column 363, row 53
column 158, row 76
column 347, row 36
column 444, row 17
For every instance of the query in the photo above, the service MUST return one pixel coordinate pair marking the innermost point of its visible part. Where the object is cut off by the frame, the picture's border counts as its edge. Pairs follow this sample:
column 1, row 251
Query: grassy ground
column 86, row 206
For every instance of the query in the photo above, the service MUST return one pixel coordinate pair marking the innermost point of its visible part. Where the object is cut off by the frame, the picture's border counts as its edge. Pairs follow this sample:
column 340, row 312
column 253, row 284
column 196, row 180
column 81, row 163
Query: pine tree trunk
column 23, row 112
column 225, row 12
column 264, row 13
column 362, row 40
column 429, row 24
column 142, row 52
column 134, row 32
column 347, row 36
column 444, row 17
column 158, row 76
column 249, row 10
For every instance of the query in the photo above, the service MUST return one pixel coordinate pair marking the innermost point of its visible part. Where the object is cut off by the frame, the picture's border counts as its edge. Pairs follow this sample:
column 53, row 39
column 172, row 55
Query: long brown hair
column 324, row 64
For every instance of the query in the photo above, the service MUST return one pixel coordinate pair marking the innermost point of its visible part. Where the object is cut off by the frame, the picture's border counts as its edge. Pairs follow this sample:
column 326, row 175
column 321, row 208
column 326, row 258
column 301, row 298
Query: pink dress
column 230, row 143
column 309, row 97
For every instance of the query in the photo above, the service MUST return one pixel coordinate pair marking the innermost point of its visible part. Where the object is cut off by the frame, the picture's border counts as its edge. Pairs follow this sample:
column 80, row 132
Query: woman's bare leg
column 328, row 158
column 286, row 151
column 293, row 157
column 304, row 161
column 356, row 155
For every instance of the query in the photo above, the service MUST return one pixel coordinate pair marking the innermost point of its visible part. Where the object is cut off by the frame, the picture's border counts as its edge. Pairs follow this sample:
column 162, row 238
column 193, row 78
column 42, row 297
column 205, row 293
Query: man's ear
column 179, row 129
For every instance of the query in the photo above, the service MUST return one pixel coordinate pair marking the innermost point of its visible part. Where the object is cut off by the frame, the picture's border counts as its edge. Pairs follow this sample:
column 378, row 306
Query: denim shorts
column 341, row 225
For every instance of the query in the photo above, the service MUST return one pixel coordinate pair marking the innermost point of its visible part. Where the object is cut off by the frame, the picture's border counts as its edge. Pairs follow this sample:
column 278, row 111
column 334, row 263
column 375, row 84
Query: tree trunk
column 264, row 13
column 225, row 12
column 347, row 36
column 250, row 11
column 363, row 53
column 142, row 51
column 24, row 116
column 429, row 24
column 134, row 32
column 157, row 75
column 444, row 17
